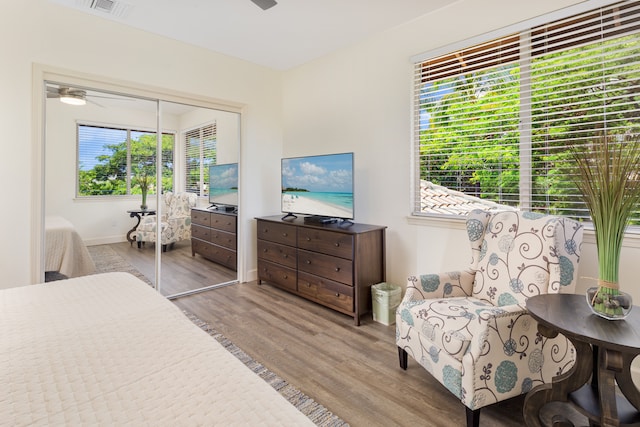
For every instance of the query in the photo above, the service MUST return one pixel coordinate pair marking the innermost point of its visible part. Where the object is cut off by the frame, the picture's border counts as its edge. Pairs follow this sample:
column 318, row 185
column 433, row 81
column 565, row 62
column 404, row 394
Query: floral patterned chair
column 175, row 224
column 470, row 328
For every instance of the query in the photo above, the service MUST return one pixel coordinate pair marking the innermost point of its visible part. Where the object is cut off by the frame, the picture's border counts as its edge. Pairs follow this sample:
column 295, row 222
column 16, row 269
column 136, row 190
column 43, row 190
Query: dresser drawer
column 222, row 238
column 200, row 232
column 326, row 291
column 279, row 233
column 200, row 217
column 215, row 253
column 331, row 267
column 326, row 242
column 223, row 256
column 223, row 222
column 275, row 252
column 278, row 275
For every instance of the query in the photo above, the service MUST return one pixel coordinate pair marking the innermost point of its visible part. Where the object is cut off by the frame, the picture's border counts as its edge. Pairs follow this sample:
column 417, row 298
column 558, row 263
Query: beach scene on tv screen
column 223, row 188
column 318, row 185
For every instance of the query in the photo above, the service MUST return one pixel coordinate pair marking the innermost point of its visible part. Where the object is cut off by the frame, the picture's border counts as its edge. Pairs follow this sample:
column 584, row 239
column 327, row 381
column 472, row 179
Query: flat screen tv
column 320, row 186
column 223, row 185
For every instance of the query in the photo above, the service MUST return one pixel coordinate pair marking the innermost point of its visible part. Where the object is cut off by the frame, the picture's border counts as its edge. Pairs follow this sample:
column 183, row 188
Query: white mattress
column 65, row 252
column 107, row 349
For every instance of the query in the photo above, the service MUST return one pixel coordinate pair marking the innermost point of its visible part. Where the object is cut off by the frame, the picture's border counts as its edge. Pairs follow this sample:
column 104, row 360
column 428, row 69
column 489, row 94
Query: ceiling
column 287, row 35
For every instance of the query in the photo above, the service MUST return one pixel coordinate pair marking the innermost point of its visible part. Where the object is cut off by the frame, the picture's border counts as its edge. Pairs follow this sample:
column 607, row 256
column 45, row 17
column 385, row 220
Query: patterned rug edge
column 106, row 260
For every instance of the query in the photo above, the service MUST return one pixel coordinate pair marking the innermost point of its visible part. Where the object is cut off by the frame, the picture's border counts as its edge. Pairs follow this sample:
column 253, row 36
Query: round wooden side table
column 604, row 352
column 137, row 213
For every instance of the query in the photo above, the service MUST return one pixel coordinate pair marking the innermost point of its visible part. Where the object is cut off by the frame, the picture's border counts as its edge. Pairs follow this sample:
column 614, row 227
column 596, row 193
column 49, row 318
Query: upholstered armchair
column 175, row 223
column 470, row 328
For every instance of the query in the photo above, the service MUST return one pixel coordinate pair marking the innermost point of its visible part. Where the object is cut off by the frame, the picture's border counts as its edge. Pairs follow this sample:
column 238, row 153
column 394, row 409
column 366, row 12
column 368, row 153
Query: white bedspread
column 107, row 349
column 65, row 252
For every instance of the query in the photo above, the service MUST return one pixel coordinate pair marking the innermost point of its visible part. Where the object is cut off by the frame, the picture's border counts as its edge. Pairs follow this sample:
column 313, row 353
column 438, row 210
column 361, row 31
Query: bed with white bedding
column 106, row 349
column 65, row 252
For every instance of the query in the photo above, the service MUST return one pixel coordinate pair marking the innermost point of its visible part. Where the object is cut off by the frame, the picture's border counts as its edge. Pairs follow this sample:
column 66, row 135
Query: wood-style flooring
column 181, row 272
column 353, row 371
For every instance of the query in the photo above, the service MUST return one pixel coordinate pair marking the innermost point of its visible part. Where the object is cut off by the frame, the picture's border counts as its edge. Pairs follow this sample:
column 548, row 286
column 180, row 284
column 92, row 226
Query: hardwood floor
column 181, row 272
column 351, row 370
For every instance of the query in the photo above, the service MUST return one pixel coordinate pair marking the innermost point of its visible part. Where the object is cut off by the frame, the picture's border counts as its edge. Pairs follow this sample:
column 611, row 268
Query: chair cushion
column 449, row 323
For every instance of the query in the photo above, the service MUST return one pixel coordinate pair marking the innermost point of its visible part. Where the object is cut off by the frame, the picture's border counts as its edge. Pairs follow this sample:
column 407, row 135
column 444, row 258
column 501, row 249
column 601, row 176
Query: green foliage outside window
column 470, row 135
column 110, row 175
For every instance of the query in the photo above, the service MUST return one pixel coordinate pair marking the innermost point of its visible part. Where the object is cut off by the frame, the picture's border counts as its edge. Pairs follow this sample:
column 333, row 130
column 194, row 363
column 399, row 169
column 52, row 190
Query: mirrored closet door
column 102, row 151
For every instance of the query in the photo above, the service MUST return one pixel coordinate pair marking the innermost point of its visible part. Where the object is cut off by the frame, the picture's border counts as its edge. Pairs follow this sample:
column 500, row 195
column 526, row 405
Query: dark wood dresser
column 331, row 264
column 214, row 236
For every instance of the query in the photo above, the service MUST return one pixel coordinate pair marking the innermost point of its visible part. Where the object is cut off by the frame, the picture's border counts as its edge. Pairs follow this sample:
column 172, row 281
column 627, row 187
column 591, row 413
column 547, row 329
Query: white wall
column 38, row 32
column 97, row 220
column 359, row 99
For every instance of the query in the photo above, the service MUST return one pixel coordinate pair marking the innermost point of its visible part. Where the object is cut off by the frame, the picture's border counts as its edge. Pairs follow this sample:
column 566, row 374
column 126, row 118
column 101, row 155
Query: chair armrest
column 441, row 285
column 148, row 223
column 507, row 356
column 489, row 331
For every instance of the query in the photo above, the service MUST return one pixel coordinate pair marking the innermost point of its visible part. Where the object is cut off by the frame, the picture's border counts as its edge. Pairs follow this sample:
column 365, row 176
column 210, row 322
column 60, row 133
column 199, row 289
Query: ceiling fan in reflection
column 72, row 96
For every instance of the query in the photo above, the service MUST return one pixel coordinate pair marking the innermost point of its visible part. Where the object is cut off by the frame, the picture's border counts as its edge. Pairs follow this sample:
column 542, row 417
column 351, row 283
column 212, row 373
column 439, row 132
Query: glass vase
column 609, row 303
column 143, row 206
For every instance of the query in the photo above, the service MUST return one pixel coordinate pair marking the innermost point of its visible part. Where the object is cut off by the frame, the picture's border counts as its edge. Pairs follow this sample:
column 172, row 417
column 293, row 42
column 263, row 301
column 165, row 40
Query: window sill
column 631, row 238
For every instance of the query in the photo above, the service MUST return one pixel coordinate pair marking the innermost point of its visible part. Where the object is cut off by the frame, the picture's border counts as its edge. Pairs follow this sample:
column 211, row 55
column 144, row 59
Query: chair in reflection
column 175, row 222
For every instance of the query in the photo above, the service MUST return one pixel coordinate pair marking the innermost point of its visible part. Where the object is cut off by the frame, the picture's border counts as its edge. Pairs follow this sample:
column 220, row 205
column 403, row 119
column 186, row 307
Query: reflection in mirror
column 100, row 180
column 207, row 138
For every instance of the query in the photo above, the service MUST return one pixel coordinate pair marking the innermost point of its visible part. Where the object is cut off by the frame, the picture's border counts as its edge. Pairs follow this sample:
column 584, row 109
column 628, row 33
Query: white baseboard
column 251, row 275
column 105, row 240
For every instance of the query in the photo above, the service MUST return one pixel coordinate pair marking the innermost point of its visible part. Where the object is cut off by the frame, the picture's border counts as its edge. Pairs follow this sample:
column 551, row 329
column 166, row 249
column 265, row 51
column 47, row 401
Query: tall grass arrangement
column 143, row 179
column 608, row 179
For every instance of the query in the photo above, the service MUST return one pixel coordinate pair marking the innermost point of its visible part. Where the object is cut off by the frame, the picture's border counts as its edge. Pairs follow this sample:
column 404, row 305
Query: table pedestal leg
column 609, row 364
column 560, row 387
column 135, row 227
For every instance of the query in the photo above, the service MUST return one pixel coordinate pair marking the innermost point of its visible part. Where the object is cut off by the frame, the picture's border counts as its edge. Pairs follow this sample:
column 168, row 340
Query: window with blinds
column 112, row 161
column 494, row 122
column 200, row 153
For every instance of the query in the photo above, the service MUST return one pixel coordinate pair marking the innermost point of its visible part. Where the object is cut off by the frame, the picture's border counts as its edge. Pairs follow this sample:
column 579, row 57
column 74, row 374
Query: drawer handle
column 308, row 261
column 337, row 294
column 308, row 239
column 337, row 269
column 308, row 285
column 285, row 256
column 284, row 234
column 337, row 245
column 285, row 277
column 264, row 250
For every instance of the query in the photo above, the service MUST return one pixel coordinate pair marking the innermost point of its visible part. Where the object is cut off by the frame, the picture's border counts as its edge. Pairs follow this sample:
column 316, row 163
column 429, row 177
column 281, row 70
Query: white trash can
column 385, row 300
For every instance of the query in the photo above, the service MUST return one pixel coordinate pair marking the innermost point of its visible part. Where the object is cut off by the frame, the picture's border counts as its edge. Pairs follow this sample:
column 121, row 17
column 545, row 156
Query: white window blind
column 494, row 122
column 110, row 160
column 200, row 153
column 102, row 161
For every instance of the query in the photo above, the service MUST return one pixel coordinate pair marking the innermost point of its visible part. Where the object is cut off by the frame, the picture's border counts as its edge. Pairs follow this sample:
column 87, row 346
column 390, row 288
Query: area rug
column 108, row 260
